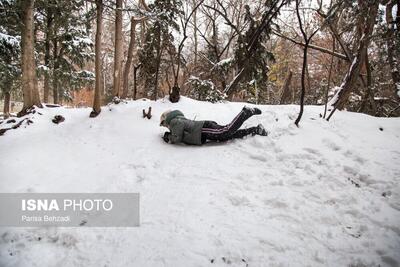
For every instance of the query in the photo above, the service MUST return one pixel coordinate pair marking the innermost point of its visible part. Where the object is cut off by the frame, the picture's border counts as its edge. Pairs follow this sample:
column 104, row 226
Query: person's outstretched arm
column 176, row 126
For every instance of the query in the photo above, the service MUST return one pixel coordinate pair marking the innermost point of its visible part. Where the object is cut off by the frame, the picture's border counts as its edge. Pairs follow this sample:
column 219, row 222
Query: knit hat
column 164, row 116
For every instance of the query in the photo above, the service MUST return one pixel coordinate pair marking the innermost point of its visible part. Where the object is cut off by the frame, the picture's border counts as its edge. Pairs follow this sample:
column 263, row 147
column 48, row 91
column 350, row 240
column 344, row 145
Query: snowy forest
column 89, row 53
column 225, row 133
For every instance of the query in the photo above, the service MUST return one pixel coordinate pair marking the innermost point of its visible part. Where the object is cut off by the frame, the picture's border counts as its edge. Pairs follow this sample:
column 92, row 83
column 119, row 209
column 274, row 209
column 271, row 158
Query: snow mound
column 324, row 194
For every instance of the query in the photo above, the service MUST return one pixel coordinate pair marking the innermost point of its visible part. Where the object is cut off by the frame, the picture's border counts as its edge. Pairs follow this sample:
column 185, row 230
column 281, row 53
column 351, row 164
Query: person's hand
column 166, row 137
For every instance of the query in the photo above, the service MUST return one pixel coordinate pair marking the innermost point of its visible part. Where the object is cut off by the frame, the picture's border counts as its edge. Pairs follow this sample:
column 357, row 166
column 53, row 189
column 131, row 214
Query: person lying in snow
column 193, row 132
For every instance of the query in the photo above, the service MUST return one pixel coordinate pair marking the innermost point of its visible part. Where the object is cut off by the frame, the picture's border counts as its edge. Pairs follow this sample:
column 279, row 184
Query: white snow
column 398, row 89
column 224, row 62
column 324, row 194
column 82, row 41
column 43, row 67
column 9, row 39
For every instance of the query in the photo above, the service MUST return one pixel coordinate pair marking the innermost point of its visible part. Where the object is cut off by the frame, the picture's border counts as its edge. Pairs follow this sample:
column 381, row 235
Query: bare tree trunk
column 7, row 100
column 118, row 50
column 55, row 80
column 391, row 46
column 329, row 77
column 369, row 94
column 142, row 32
column 352, row 75
column 195, row 42
column 55, row 91
column 370, row 90
column 307, row 40
column 158, row 62
column 46, row 87
column 303, row 85
column 28, row 67
column 135, row 69
column 286, row 89
column 128, row 63
column 99, row 30
column 142, row 3
column 308, row 79
column 156, row 78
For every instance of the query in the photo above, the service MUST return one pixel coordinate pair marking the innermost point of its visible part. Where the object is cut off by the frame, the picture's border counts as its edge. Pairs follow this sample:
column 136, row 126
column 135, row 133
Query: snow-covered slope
column 324, row 194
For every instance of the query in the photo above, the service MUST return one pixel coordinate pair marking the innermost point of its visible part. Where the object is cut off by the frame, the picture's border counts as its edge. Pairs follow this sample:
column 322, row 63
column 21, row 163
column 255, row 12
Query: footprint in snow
column 330, row 144
column 236, row 261
column 258, row 157
column 275, row 203
column 312, row 151
column 355, row 157
column 239, row 201
column 131, row 171
column 354, row 232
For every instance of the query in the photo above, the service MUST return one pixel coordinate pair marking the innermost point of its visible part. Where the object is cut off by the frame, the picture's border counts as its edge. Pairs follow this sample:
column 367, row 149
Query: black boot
column 252, row 111
column 261, row 130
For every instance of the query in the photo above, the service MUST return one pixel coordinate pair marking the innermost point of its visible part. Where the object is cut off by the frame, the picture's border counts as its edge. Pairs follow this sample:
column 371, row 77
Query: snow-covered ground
column 324, row 194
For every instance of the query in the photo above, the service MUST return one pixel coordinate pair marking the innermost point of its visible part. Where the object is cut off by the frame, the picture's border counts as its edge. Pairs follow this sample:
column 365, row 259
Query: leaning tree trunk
column 118, row 50
column 28, row 67
column 99, row 29
column 128, row 63
column 349, row 81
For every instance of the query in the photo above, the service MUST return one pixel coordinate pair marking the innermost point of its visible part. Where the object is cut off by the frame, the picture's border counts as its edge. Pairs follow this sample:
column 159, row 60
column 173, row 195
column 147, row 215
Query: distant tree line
column 341, row 54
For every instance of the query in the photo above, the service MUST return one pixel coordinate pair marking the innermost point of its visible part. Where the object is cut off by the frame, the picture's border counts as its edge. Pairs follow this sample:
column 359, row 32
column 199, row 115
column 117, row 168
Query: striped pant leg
column 213, row 131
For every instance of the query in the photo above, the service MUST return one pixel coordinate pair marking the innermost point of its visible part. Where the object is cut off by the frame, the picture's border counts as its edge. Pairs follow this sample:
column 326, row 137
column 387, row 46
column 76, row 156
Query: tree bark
column 55, row 79
column 195, row 41
column 7, row 100
column 49, row 23
column 46, row 87
column 158, row 62
column 28, row 67
column 128, row 63
column 118, row 50
column 135, row 69
column 369, row 93
column 303, row 85
column 143, row 4
column 99, row 30
column 391, row 47
column 285, row 89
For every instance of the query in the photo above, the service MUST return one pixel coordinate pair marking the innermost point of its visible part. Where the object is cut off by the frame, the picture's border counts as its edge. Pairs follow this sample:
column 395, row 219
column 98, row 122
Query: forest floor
column 324, row 194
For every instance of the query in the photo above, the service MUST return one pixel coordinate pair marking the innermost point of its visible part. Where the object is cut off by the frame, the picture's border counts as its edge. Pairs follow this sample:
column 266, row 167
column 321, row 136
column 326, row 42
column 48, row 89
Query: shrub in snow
column 204, row 90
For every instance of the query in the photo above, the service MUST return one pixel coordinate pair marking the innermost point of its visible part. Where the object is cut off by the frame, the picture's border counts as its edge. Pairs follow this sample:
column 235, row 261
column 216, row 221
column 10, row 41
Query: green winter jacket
column 182, row 129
